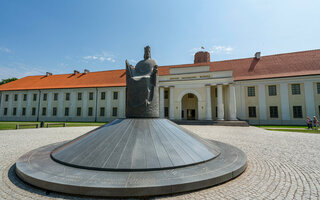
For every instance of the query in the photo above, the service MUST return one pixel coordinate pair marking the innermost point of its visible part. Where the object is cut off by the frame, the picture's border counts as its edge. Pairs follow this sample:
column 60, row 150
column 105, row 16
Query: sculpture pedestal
column 131, row 158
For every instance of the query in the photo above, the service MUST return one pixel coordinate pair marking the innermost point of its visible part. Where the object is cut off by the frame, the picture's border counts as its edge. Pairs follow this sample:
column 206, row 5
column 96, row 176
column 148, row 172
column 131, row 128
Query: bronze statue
column 142, row 88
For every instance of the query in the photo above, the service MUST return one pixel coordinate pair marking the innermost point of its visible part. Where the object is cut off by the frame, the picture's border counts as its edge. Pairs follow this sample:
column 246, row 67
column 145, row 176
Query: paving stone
column 281, row 165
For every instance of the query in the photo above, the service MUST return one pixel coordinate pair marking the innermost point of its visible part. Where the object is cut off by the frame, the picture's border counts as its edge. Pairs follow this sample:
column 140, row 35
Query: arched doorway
column 189, row 107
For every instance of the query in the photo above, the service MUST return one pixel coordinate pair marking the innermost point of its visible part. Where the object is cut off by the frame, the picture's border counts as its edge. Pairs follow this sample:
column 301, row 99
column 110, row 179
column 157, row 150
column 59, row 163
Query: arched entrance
column 189, row 107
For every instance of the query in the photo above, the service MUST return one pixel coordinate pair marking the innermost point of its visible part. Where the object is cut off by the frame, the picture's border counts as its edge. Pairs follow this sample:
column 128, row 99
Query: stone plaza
column 281, row 165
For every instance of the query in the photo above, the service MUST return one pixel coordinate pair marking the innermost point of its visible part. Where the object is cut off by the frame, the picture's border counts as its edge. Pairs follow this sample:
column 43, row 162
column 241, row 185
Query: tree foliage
column 4, row 81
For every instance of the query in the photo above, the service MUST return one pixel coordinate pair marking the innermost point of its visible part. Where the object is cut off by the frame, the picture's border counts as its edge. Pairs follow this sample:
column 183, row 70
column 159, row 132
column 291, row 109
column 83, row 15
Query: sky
column 60, row 36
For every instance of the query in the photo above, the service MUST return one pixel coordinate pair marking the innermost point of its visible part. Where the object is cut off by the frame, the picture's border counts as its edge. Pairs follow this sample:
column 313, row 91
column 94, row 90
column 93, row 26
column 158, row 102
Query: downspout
column 96, row 113
column 39, row 105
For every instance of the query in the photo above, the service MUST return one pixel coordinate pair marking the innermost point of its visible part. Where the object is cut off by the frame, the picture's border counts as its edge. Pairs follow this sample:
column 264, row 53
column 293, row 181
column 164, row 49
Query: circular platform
column 37, row 168
column 132, row 158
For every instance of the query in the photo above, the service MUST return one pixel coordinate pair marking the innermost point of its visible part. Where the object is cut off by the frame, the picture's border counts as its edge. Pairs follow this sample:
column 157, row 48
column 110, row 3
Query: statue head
column 147, row 52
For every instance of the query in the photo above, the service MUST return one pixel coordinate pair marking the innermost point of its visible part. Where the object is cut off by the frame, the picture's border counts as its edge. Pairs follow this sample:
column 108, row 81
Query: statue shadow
column 45, row 193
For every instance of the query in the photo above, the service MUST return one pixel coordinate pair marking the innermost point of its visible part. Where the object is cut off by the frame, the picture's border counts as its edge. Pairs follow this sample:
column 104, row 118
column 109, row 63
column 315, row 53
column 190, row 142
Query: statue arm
column 129, row 69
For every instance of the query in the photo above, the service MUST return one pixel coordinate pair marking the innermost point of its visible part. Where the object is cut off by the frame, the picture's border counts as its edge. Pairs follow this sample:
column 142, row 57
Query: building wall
column 62, row 103
column 284, row 100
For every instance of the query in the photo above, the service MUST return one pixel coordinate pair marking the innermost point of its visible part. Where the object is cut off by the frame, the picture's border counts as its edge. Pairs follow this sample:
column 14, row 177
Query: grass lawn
column 295, row 130
column 12, row 125
column 302, row 129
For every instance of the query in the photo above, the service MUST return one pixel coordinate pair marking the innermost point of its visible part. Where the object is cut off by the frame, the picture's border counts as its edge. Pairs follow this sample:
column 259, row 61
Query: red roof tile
column 273, row 66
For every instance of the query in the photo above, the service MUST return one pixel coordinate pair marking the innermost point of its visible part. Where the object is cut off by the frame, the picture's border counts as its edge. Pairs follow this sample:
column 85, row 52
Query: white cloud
column 104, row 56
column 214, row 49
column 133, row 61
column 19, row 70
column 6, row 50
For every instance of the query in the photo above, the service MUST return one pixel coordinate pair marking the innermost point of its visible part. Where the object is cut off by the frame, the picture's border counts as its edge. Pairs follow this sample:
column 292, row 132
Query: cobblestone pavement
column 281, row 165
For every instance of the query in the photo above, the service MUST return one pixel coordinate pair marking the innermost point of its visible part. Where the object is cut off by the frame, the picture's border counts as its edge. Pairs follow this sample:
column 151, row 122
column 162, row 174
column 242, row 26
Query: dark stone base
column 37, row 168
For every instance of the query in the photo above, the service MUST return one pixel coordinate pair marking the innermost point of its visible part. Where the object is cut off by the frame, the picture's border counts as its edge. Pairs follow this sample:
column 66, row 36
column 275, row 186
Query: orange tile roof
column 273, row 66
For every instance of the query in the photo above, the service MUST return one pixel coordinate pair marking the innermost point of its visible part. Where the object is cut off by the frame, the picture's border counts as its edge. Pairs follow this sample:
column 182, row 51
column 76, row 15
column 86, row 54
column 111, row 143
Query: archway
column 189, row 107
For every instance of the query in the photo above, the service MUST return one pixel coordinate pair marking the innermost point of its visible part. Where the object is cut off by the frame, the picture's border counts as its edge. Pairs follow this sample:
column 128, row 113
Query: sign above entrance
column 187, row 70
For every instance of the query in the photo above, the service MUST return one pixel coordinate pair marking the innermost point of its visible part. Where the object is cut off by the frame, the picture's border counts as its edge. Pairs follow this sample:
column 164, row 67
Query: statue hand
column 155, row 69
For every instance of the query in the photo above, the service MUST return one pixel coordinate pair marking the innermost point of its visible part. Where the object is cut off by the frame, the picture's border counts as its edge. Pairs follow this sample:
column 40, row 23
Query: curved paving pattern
column 280, row 165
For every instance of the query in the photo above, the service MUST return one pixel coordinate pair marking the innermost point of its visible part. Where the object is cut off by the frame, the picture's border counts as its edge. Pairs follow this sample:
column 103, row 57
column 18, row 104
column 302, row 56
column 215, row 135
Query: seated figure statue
column 142, row 88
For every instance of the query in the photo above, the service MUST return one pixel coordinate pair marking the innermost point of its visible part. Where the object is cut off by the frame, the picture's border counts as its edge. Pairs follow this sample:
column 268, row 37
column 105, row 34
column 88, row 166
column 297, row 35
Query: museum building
column 274, row 89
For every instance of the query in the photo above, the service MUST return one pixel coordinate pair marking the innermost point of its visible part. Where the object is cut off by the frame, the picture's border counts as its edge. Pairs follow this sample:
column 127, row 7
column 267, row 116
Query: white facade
column 187, row 93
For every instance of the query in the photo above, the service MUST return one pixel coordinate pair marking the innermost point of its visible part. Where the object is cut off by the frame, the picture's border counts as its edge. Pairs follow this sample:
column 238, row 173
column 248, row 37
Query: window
column 114, row 111
column 295, row 88
column 252, row 111
column 251, row 92
column 166, row 94
column 166, row 112
column 66, row 111
column 15, row 97
column 272, row 90
column 24, row 97
column 90, row 111
column 54, row 111
column 67, row 96
column 190, row 95
column 91, row 96
column 7, row 97
column 102, row 111
column 33, row 111
column 115, row 95
column 34, row 97
column 14, row 111
column 79, row 96
column 23, row 111
column 297, row 111
column 103, row 95
column 44, row 111
column 45, row 96
column 55, row 96
column 79, row 111
column 273, row 112
column 5, row 111
column 318, row 88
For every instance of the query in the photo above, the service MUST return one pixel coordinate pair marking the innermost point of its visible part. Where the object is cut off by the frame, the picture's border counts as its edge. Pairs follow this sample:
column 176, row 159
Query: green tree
column 4, row 81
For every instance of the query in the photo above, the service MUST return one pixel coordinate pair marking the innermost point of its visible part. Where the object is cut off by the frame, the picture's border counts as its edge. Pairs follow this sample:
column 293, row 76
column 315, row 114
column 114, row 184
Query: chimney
column 86, row 71
column 48, row 74
column 257, row 55
column 75, row 72
column 202, row 57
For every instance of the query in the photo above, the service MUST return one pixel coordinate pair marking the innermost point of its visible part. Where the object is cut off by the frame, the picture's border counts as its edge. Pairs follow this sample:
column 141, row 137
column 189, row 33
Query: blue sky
column 61, row 36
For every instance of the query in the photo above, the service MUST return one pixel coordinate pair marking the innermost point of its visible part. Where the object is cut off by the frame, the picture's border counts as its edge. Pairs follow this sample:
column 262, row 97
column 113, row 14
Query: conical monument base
column 132, row 158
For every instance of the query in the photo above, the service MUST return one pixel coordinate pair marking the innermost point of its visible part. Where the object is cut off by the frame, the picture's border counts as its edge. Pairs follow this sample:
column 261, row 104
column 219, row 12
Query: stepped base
column 38, row 168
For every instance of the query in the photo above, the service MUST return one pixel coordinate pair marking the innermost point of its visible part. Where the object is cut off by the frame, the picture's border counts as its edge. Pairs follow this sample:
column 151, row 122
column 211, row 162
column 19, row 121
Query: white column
column 243, row 103
column 10, row 104
column 220, row 103
column 1, row 103
column 284, row 95
column 121, row 106
column 61, row 99
column 29, row 99
column 19, row 109
column 108, row 104
column 84, row 108
column 262, row 101
column 171, row 106
column 49, row 109
column 161, row 102
column 73, row 97
column 309, row 96
column 232, row 103
column 208, row 103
